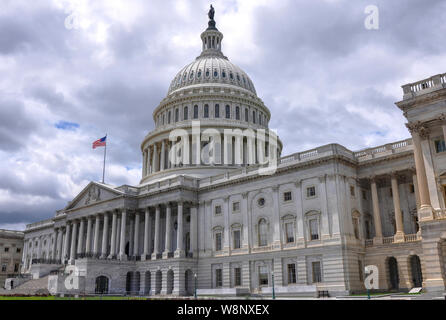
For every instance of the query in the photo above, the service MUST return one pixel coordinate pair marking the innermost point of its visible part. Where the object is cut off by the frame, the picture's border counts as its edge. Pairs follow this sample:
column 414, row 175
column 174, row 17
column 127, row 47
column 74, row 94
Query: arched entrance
column 158, row 282
column 189, row 282
column 393, row 273
column 101, row 285
column 147, row 283
column 417, row 275
column 170, row 276
column 128, row 282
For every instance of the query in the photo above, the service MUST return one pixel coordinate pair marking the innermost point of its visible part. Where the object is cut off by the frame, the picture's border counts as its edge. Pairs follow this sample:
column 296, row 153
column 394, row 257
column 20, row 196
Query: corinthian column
column 146, row 234
column 163, row 155
column 136, row 236
column 113, row 235
column 105, row 236
column 180, row 248
column 157, row 233
column 399, row 235
column 376, row 212
column 96, row 234
column 425, row 212
column 88, row 241
column 73, row 243
column 122, row 255
column 80, row 241
column 168, row 231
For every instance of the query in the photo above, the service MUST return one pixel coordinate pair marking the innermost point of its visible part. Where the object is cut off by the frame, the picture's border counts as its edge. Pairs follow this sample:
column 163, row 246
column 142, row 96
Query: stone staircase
column 30, row 287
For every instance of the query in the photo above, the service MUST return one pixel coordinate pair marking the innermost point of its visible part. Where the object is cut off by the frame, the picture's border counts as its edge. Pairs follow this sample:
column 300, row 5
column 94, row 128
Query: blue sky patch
column 65, row 125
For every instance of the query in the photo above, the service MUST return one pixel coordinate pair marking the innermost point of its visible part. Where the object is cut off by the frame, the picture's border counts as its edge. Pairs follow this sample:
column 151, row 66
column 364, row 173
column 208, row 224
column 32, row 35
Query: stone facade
column 11, row 246
column 224, row 228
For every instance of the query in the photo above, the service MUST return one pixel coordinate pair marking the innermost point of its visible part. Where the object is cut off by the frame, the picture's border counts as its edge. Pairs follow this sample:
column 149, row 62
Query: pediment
column 92, row 193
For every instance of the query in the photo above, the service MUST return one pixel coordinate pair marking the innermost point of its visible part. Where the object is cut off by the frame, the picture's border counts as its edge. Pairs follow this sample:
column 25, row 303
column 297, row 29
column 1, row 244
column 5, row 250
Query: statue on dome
column 211, row 13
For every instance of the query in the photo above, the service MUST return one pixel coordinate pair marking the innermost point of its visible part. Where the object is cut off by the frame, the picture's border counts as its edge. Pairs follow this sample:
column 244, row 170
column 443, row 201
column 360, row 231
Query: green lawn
column 71, row 298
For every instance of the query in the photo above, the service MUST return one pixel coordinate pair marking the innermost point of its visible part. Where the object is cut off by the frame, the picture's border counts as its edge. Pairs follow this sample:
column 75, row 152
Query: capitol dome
column 219, row 96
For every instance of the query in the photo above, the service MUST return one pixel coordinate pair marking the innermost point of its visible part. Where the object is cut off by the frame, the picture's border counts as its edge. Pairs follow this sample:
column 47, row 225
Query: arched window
column 228, row 112
column 206, row 111
column 246, row 115
column 176, row 115
column 199, row 74
column 185, row 114
column 217, row 111
column 195, row 112
column 168, row 118
column 253, row 116
column 215, row 73
column 237, row 113
column 263, row 233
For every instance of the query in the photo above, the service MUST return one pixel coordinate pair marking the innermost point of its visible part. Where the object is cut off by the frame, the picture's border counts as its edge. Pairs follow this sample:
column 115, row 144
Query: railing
column 189, row 254
column 411, row 237
column 390, row 147
column 387, row 240
column 170, row 255
column 412, row 89
column 368, row 242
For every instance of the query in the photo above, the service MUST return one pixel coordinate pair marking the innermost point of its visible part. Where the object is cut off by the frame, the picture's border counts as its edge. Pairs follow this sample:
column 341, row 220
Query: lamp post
column 274, row 292
column 195, row 290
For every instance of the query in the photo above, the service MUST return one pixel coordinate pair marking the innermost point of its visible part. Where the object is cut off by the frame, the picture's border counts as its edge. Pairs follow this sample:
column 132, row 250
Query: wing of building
column 219, row 207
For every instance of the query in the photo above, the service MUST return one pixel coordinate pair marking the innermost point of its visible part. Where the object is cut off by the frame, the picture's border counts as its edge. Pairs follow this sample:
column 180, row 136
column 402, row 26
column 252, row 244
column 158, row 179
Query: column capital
column 245, row 195
column 298, row 183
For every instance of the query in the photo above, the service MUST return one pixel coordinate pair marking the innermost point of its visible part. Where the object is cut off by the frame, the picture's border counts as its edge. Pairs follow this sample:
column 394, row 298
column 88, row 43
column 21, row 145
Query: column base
column 166, row 255
column 144, row 256
column 155, row 256
column 426, row 213
column 398, row 237
column 179, row 254
column 123, row 257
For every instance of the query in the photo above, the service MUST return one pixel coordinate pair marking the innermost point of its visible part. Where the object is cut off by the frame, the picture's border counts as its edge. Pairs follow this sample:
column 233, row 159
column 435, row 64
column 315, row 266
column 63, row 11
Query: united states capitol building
column 220, row 209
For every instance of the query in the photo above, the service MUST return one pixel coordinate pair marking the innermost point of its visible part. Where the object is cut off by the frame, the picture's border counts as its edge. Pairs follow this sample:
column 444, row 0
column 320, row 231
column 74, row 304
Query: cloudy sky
column 72, row 71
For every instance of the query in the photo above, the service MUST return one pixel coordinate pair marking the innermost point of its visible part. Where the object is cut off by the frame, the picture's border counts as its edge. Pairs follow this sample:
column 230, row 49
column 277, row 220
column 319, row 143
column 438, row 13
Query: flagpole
column 105, row 152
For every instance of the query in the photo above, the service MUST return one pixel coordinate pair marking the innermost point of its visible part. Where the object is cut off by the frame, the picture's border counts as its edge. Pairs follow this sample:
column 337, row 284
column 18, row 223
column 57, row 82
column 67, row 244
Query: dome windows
column 217, row 111
column 237, row 113
column 185, row 113
column 177, row 112
column 223, row 74
column 206, row 111
column 215, row 73
column 195, row 112
column 231, row 75
column 191, row 75
column 246, row 115
column 199, row 74
column 184, row 77
column 238, row 77
column 207, row 73
column 228, row 112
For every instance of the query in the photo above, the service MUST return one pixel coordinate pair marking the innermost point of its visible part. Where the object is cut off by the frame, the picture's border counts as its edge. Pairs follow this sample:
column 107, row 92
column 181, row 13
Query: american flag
column 100, row 142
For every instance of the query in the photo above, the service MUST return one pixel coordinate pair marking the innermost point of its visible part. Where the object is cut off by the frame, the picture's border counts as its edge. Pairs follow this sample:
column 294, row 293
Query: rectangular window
column 235, row 206
column 287, row 196
column 228, row 112
column 218, row 278
column 18, row 250
column 364, row 194
column 412, row 188
column 289, row 232
column 316, row 270
column 6, row 249
column 291, row 273
column 440, row 146
column 218, row 241
column 237, row 277
column 352, row 191
column 217, row 209
column 16, row 267
column 3, row 267
column 314, row 229
column 236, row 235
column 195, row 112
column 263, row 275
column 311, row 192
